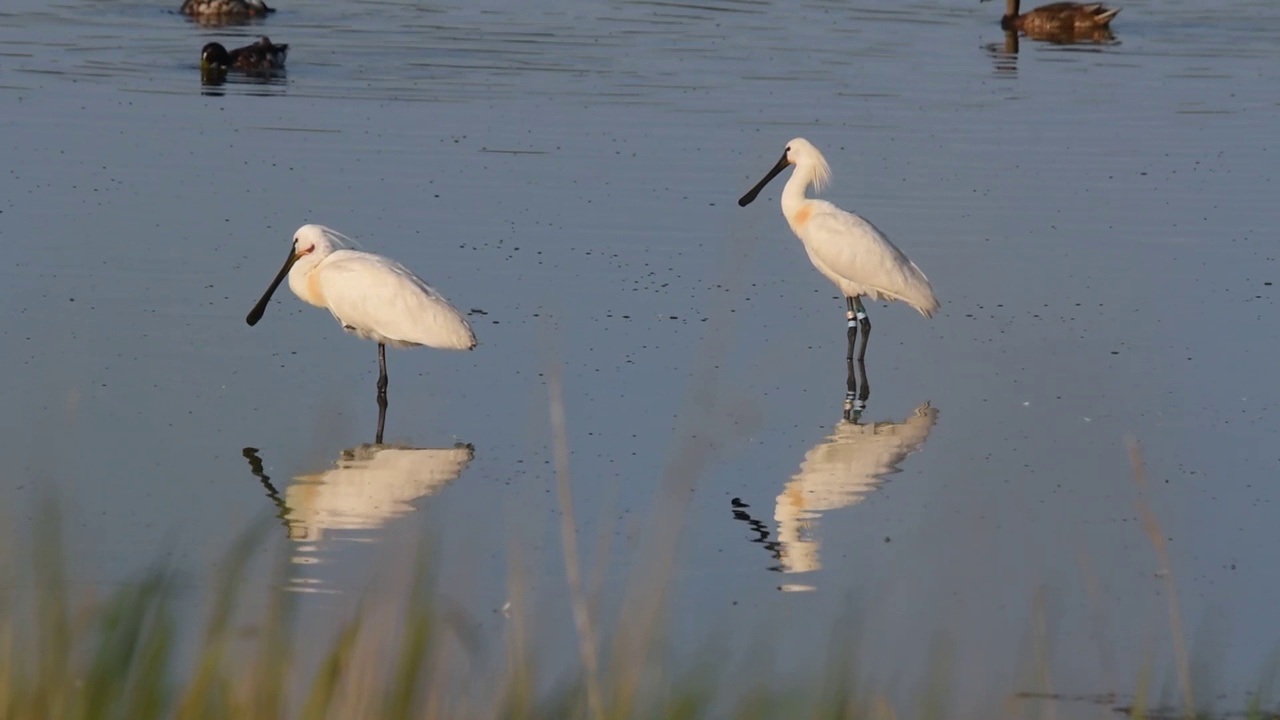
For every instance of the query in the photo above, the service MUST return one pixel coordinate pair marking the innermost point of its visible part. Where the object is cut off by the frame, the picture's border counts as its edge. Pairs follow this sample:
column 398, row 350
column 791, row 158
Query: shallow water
column 1096, row 220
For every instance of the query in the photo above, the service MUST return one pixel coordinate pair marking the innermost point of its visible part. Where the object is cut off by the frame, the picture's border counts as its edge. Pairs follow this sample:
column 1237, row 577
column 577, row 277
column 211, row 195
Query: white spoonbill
column 846, row 248
column 372, row 297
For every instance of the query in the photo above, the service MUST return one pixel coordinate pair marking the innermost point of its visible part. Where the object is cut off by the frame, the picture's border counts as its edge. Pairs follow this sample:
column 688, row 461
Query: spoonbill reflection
column 368, row 486
column 847, row 249
column 836, row 473
column 371, row 296
column 839, row 472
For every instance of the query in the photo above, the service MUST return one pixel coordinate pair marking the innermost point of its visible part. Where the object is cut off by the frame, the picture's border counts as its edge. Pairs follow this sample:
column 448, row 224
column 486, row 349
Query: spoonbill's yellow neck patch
column 315, row 294
column 800, row 217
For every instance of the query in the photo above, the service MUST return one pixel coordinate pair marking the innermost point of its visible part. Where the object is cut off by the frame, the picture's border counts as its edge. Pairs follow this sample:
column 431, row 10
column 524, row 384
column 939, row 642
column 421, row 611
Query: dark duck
column 261, row 56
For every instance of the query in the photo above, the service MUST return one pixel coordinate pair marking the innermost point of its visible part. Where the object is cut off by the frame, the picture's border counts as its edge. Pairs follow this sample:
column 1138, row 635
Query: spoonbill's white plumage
column 373, row 297
column 847, row 249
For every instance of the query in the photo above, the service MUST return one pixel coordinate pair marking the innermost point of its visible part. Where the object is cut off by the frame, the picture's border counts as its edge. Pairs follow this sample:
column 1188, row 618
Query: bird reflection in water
column 836, row 473
column 213, row 82
column 369, row 485
column 1004, row 54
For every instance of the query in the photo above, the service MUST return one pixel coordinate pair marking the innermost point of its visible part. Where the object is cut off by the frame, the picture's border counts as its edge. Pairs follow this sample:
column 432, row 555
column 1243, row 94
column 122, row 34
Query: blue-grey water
column 1098, row 221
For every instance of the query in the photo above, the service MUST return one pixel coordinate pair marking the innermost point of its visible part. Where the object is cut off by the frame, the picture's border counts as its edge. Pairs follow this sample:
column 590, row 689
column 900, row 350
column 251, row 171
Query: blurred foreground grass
column 125, row 656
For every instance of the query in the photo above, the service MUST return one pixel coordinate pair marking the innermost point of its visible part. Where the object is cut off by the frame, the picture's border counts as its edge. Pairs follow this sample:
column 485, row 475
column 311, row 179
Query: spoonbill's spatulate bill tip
column 850, row 251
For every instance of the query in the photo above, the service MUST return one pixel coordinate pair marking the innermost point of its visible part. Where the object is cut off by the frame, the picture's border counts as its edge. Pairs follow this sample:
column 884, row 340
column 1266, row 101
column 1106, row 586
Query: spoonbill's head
column 314, row 242
column 810, row 165
column 311, row 244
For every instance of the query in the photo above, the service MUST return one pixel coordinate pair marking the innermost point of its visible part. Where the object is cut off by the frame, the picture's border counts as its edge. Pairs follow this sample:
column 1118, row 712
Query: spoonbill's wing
column 857, row 251
column 381, row 299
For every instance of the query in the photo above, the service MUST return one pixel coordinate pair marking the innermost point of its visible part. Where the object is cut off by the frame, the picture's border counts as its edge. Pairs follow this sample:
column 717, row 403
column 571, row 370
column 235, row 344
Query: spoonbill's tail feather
column 918, row 293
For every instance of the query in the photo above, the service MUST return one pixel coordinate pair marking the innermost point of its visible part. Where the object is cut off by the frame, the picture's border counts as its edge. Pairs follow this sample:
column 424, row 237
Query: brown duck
column 225, row 8
column 1057, row 17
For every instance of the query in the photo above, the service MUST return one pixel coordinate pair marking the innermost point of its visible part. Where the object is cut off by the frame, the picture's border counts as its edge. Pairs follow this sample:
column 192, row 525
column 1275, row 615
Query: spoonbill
column 373, row 297
column 846, row 248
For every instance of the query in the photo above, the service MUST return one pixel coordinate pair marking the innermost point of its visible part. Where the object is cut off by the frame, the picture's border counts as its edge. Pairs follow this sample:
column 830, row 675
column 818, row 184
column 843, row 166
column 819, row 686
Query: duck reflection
column 368, row 486
column 214, row 82
column 1005, row 54
column 1068, row 35
column 836, row 473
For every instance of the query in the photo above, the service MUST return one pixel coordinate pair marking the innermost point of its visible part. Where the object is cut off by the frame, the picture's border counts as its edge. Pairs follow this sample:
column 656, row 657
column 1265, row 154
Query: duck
column 225, row 8
column 261, row 56
column 1057, row 17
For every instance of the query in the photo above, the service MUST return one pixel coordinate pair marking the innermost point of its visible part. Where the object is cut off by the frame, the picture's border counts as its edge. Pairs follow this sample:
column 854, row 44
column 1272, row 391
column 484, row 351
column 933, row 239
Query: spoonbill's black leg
column 382, row 370
column 864, row 323
column 852, row 332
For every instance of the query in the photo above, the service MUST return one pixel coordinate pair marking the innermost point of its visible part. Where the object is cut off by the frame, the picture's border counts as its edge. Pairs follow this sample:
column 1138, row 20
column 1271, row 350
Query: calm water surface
column 1097, row 221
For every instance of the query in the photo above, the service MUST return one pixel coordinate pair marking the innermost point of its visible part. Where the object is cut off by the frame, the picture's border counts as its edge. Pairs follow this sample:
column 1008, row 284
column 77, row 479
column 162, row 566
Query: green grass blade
column 330, row 674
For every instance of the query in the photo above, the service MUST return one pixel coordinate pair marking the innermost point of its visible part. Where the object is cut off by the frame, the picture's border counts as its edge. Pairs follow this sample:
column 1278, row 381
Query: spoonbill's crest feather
column 336, row 239
column 805, row 155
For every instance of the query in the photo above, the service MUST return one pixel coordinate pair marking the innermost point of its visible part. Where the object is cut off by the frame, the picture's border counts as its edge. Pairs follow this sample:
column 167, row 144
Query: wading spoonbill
column 849, row 250
column 373, row 297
